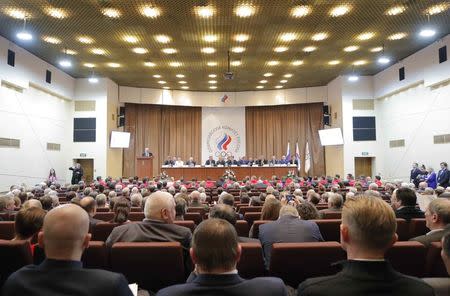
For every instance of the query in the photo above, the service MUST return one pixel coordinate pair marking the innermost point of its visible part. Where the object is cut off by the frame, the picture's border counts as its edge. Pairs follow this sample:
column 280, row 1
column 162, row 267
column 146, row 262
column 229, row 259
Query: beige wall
column 114, row 156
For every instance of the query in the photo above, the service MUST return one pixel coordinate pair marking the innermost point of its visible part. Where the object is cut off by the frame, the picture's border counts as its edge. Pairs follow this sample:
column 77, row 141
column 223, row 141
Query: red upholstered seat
column 330, row 229
column 186, row 223
column 331, row 215
column 402, row 230
column 136, row 209
column 7, row 230
column 101, row 231
column 196, row 217
column 252, row 262
column 256, row 225
column 96, row 256
column 136, row 216
column 242, row 228
column 434, row 266
column 102, row 210
column 408, row 258
column 417, row 227
column 13, row 255
column 151, row 265
column 104, row 216
column 295, row 262
column 249, row 209
column 250, row 217
column 200, row 210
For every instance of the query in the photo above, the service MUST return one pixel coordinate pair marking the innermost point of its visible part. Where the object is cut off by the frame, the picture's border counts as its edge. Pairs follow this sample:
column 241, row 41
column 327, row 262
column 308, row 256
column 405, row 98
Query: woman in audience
column 122, row 208
column 180, row 208
column 270, row 211
column 307, row 211
column 52, row 176
column 28, row 223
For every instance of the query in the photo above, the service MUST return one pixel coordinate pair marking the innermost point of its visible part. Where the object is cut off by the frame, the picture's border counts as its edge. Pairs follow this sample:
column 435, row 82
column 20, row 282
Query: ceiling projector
column 228, row 75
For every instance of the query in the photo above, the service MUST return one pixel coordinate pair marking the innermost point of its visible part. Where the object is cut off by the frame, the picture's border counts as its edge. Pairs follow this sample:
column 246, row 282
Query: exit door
column 363, row 166
column 88, row 169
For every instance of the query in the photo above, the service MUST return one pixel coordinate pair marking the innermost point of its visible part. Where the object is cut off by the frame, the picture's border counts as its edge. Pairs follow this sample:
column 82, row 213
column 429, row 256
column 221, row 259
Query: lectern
column 144, row 167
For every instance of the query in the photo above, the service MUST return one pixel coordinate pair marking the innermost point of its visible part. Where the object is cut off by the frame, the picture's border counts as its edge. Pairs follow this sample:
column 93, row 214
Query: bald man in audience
column 215, row 252
column 90, row 206
column 367, row 232
column 437, row 217
column 64, row 238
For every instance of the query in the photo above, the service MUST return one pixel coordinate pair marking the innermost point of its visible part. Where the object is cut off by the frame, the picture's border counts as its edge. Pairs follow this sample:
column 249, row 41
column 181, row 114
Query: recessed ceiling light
column 395, row 10
column 69, row 51
column 149, row 64
column 236, row 63
column 89, row 65
column 245, row 10
column 283, row 81
column 182, row 82
column 260, row 86
column 162, row 38
column 340, row 10
column 98, row 51
column 212, row 81
column 376, row 49
column 56, row 12
column 366, row 36
column 286, row 37
column 309, row 49
column 175, row 64
column 169, row 50
column 280, row 49
column 273, row 63
column 427, row 32
column 287, row 75
column 212, row 64
column 130, row 39
column 166, row 87
column 263, row 81
column 212, row 75
column 114, row 65
column 353, row 78
column 85, row 39
column 162, row 82
column 359, row 63
column 334, row 62
column 278, row 86
column 180, row 76
column 319, row 36
column 397, row 36
column 65, row 63
column 213, row 87
column 268, row 74
column 210, row 38
column 111, row 12
column 204, row 11
column 208, row 50
column 140, row 50
column 301, row 11
column 383, row 60
column 93, row 80
column 24, row 35
column 351, row 48
column 185, row 87
column 297, row 63
column 157, row 76
column 17, row 13
column 52, row 40
column 438, row 8
column 150, row 11
column 238, row 49
column 241, row 37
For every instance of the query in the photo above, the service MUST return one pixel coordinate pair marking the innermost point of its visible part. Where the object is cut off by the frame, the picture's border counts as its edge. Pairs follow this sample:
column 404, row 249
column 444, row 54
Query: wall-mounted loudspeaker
column 326, row 115
column 121, row 117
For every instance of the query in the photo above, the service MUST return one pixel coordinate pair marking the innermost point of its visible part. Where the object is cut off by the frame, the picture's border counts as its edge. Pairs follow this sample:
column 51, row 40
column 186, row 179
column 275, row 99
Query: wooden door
column 88, row 169
column 363, row 166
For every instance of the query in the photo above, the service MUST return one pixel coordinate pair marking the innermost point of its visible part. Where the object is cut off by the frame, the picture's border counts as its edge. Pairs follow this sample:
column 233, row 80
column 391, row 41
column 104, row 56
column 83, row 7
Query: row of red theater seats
column 328, row 227
column 157, row 265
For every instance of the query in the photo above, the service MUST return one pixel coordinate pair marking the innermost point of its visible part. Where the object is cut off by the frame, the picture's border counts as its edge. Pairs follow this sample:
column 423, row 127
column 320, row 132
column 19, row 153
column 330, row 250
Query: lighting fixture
column 149, row 64
column 208, row 50
column 204, row 11
column 340, row 10
column 89, row 65
column 280, row 49
column 351, row 48
column 175, row 64
column 16, row 13
column 366, row 36
column 65, row 62
column 268, row 74
column 185, row 87
column 427, row 32
column 283, row 81
column 359, row 63
column 182, row 82
column 85, row 39
column 245, row 10
column 353, row 78
column 213, row 87
column 301, row 11
column 140, row 50
column 241, row 37
column 93, row 79
column 263, row 81
column 236, row 63
column 212, row 75
column 212, row 64
column 376, row 49
column 334, row 62
column 162, row 38
column 319, row 36
column 286, row 37
column 297, row 63
column 157, row 76
column 71, row 52
column 238, row 49
column 24, row 34
column 212, row 81
column 309, row 49
column 56, row 12
column 210, row 38
column 273, row 63
column 162, row 82
column 278, row 86
column 180, row 76
column 383, row 59
column 114, row 65
column 397, row 36
column 98, row 51
column 260, row 86
column 52, row 40
column 395, row 10
column 169, row 50
column 150, row 11
column 130, row 39
column 287, row 75
column 111, row 12
column 438, row 8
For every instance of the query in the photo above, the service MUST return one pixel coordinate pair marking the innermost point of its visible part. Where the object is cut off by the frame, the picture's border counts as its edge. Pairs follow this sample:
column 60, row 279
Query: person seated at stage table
column 147, row 152
column 179, row 162
column 210, row 161
column 169, row 161
column 243, row 161
column 261, row 161
column 283, row 160
column 220, row 161
column 190, row 162
column 231, row 161
column 273, row 161
column 250, row 161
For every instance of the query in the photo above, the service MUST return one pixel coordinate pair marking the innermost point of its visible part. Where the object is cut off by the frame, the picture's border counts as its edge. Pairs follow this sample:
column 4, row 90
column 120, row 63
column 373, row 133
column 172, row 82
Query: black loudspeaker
column 11, row 58
column 121, row 121
column 326, row 109
column 442, row 54
column 122, row 111
column 401, row 73
column 326, row 119
column 48, row 76
column 121, row 117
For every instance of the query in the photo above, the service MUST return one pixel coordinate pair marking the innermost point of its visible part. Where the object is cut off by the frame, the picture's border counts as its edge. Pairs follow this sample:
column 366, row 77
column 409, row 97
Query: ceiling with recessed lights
column 183, row 44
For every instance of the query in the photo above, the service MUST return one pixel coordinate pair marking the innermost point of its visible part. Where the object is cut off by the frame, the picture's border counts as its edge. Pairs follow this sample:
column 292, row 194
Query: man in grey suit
column 287, row 229
column 437, row 217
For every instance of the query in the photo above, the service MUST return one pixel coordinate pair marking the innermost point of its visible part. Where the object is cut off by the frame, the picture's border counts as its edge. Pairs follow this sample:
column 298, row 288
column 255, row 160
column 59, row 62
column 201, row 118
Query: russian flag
column 297, row 156
column 288, row 153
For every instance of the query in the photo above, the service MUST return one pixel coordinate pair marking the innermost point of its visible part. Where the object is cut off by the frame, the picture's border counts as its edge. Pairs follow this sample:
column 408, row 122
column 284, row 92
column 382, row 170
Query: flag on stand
column 297, row 156
column 307, row 159
column 288, row 153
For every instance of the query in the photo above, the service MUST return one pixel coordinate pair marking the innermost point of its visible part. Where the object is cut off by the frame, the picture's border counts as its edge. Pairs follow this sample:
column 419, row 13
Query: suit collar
column 218, row 279
column 57, row 264
column 368, row 270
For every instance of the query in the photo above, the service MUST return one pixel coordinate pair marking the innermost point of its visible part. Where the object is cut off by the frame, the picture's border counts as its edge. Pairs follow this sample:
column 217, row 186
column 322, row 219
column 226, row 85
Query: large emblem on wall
column 223, row 140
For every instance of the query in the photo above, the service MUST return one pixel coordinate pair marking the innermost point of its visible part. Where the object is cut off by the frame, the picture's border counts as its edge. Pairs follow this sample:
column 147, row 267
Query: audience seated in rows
column 121, row 209
column 89, row 205
column 403, row 201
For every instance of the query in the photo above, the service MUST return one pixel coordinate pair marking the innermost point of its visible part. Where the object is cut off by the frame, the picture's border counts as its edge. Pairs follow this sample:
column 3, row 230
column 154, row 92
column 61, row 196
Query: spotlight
column 427, row 32
column 65, row 63
column 24, row 35
column 353, row 78
column 93, row 79
column 384, row 60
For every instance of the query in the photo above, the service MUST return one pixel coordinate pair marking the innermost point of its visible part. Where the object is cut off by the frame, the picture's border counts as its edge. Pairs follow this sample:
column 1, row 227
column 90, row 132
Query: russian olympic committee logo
column 223, row 141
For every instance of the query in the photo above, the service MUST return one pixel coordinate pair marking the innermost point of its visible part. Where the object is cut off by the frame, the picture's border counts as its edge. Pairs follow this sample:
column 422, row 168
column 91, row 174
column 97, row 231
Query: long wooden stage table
column 214, row 173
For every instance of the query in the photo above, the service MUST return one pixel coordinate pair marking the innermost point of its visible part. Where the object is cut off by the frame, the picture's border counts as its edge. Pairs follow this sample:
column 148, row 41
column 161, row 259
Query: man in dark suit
column 210, row 161
column 437, row 218
column 443, row 177
column 220, row 161
column 415, row 172
column 215, row 252
column 147, row 152
column 261, row 161
column 287, row 229
column 64, row 238
column 403, row 201
column 367, row 232
column 169, row 161
column 441, row 285
column 90, row 206
column 226, row 212
column 77, row 173
column 190, row 162
column 250, row 161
